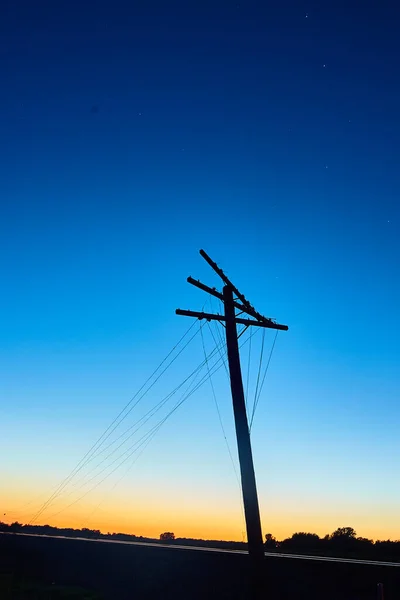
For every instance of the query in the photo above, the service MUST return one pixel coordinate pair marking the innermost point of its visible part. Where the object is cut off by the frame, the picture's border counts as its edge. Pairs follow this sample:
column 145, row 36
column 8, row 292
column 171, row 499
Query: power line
column 147, row 436
column 90, row 516
column 145, row 446
column 114, row 424
column 151, row 413
column 152, row 432
column 216, row 366
column 264, row 376
column 258, row 377
column 223, row 428
column 94, row 455
column 143, row 420
column 156, row 407
column 219, row 412
column 248, row 375
column 219, row 336
column 220, row 350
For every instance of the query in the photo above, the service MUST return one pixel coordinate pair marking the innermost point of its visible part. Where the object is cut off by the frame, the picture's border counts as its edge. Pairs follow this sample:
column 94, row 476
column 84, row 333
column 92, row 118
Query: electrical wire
column 90, row 516
column 149, row 415
column 153, row 411
column 223, row 430
column 143, row 420
column 263, row 379
column 258, row 377
column 218, row 410
column 111, row 428
column 157, row 406
column 220, row 351
column 130, row 467
column 149, row 435
column 219, row 334
column 248, row 375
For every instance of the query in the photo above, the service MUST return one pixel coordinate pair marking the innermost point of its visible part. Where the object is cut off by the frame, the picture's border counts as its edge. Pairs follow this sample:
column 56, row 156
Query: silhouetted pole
column 249, row 488
column 230, row 321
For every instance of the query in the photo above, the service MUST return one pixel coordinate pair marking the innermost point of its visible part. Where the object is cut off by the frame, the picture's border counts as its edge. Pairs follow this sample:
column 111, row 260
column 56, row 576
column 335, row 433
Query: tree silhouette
column 344, row 533
column 302, row 541
column 344, row 539
column 270, row 541
column 167, row 536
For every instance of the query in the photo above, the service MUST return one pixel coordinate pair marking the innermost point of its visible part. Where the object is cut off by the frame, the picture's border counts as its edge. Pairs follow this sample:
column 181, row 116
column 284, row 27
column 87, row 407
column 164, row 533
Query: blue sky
column 134, row 135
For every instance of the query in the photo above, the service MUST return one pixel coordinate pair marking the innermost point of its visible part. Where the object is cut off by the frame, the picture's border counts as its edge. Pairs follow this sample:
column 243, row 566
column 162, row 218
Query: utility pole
column 232, row 299
column 249, row 489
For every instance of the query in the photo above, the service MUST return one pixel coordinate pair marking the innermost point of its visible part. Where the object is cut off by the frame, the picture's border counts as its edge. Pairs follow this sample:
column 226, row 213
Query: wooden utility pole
column 230, row 320
column 249, row 488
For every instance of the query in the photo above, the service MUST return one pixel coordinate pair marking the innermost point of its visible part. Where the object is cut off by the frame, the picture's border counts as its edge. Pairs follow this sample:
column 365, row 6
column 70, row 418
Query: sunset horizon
column 200, row 250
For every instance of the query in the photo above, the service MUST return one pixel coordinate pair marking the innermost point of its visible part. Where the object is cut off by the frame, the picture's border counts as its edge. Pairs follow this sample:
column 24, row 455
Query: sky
column 135, row 133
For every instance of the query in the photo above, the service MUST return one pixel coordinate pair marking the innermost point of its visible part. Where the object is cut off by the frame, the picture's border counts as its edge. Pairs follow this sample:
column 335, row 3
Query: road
column 354, row 561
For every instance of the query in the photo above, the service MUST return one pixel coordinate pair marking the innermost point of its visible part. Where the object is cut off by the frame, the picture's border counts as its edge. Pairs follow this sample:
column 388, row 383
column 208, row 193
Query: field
column 35, row 567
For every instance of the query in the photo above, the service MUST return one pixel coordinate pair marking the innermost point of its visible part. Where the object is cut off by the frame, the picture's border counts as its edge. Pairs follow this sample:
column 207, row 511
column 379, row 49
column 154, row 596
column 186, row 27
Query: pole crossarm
column 213, row 292
column 205, row 288
column 269, row 323
column 246, row 306
column 212, row 317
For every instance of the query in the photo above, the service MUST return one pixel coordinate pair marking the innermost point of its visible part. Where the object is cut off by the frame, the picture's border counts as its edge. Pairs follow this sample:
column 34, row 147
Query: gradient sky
column 135, row 133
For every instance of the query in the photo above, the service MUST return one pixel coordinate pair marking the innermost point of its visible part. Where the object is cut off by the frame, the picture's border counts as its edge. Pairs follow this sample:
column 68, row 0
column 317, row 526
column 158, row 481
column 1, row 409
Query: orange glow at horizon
column 195, row 522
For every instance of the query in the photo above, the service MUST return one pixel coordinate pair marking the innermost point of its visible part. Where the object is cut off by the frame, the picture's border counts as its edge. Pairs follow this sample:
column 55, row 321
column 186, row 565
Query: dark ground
column 122, row 572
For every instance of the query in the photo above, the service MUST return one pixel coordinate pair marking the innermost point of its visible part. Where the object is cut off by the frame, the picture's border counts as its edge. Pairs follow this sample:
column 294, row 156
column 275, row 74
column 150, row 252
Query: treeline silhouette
column 343, row 542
